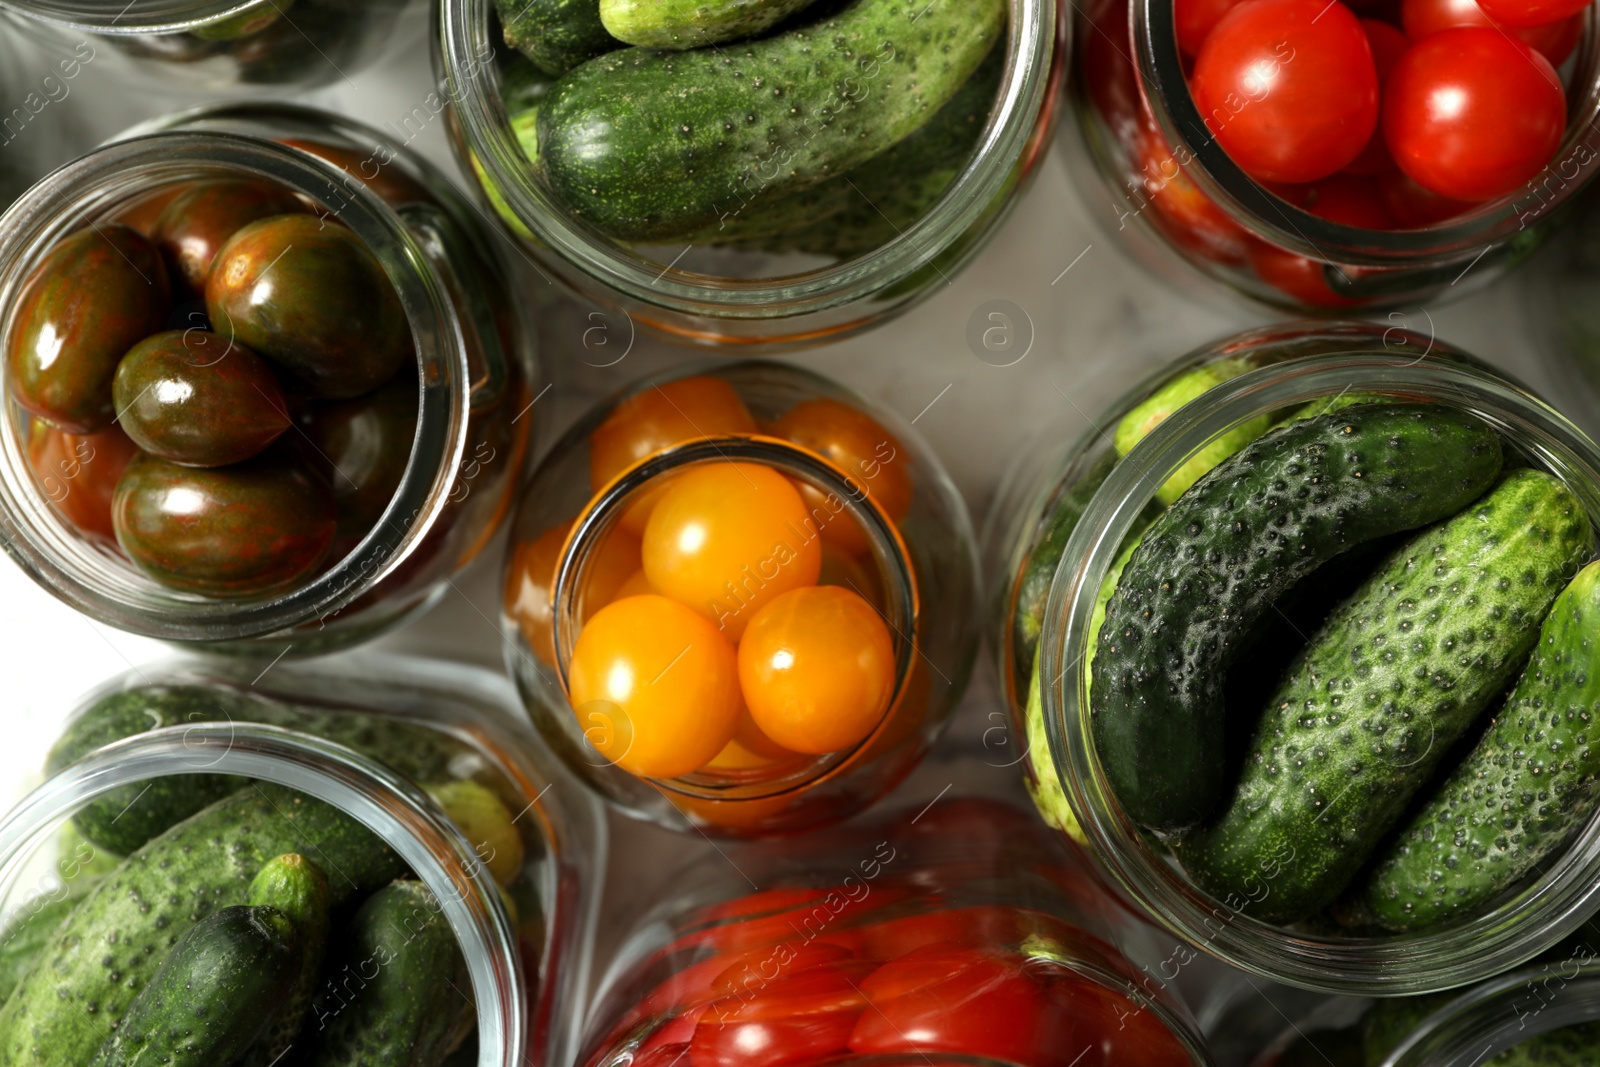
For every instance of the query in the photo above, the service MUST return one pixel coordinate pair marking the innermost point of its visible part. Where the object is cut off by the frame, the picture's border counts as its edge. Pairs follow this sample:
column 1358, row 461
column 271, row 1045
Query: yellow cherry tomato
column 531, row 579
column 858, row 447
column 636, row 585
column 655, row 687
column 817, row 669
column 726, row 538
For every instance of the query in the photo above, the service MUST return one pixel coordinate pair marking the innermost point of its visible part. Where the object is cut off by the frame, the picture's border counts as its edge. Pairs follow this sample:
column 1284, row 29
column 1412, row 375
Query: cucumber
column 649, row 145
column 1377, row 698
column 1391, row 1020
column 680, row 24
column 28, row 931
column 397, row 992
column 115, row 939
column 1213, row 563
column 297, row 888
column 1532, row 780
column 522, row 85
column 486, row 824
column 211, row 996
column 1571, row 1046
column 555, row 35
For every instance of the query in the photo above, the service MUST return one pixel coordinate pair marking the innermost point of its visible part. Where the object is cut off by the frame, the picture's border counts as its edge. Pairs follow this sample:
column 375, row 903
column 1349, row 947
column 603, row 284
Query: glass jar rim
column 102, row 588
column 1394, row 362
column 1266, row 216
column 142, row 17
column 388, row 806
column 464, row 58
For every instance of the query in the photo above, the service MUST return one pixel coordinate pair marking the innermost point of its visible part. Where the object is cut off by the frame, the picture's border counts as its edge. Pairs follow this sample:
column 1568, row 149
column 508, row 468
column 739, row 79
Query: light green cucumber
column 648, row 145
column 1379, row 695
column 680, row 24
column 556, row 35
column 297, row 888
column 486, row 824
column 1530, row 782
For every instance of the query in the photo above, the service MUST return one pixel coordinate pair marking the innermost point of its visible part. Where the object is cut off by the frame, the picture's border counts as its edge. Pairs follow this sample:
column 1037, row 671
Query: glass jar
column 433, row 759
column 706, row 290
column 955, row 931
column 862, row 520
column 221, row 44
column 1559, row 292
column 1180, row 201
column 1064, row 518
column 416, row 496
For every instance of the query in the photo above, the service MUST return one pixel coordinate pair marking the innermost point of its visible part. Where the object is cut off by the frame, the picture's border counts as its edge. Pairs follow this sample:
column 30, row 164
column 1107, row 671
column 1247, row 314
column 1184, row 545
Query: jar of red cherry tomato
column 1320, row 157
column 957, row 933
column 741, row 600
column 264, row 385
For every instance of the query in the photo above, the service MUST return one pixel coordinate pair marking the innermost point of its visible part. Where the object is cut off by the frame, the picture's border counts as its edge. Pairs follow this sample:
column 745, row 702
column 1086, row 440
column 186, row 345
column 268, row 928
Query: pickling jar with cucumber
column 265, row 386
column 1303, row 649
column 351, row 862
column 740, row 599
column 778, row 173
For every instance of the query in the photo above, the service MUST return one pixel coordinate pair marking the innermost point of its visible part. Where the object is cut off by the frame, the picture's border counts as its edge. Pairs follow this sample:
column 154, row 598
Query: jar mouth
column 389, row 807
column 901, row 610
column 144, row 16
column 1355, row 357
column 1279, row 222
column 105, row 586
column 465, row 55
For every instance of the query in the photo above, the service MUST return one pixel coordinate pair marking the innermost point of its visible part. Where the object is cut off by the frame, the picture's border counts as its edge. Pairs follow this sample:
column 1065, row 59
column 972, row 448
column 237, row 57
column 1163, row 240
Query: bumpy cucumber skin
column 26, row 936
column 1381, row 693
column 1214, row 562
column 651, row 145
column 1572, row 1046
column 396, row 994
column 297, row 888
column 113, row 942
column 215, row 991
column 556, row 35
column 680, row 24
column 1531, row 781
column 125, row 818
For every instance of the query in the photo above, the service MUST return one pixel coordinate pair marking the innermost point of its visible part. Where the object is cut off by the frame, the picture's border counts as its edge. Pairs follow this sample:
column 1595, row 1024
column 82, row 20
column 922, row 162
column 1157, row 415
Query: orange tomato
column 531, row 579
column 726, row 538
column 817, row 669
column 78, row 473
column 862, row 450
column 655, row 687
column 850, row 572
column 749, row 749
column 636, row 585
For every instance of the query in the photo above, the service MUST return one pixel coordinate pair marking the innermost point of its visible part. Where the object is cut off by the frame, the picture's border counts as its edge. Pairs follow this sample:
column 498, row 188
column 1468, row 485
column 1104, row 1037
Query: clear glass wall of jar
column 951, row 930
column 421, row 494
column 832, row 492
column 1063, row 519
column 1184, row 206
column 695, row 294
column 433, row 760
column 221, row 44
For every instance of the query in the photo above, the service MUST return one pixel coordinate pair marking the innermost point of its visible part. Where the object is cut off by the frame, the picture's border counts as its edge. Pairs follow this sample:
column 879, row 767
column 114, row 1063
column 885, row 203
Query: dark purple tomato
column 199, row 221
column 195, row 398
column 92, row 297
column 309, row 297
column 223, row 531
column 361, row 448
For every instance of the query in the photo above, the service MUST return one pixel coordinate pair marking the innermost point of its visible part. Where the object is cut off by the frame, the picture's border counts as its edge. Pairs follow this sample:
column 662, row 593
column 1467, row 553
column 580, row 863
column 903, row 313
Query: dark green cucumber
column 1213, row 563
column 522, row 85
column 680, row 24
column 297, row 888
column 1391, row 1020
column 115, row 939
column 1379, row 695
column 1530, row 782
column 397, row 991
column 213, row 994
column 1571, row 1046
column 651, row 145
column 30, row 929
column 556, row 35
column 125, row 818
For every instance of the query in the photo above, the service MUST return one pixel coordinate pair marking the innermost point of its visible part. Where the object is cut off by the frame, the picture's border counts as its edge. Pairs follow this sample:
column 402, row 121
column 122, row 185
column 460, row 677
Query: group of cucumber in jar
column 825, row 127
column 206, row 919
column 1343, row 667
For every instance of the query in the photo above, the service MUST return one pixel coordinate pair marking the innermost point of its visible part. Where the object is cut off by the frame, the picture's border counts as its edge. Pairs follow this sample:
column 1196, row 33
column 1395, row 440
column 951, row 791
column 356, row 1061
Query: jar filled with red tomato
column 950, row 933
column 265, row 388
column 740, row 599
column 1321, row 157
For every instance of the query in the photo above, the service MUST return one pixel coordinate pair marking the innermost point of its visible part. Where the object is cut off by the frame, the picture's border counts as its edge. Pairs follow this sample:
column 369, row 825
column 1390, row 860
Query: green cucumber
column 112, row 943
column 1391, row 1020
column 297, row 888
column 1379, row 695
column 523, row 85
column 1571, row 1046
column 556, row 35
column 650, row 145
column 30, row 930
column 213, row 994
column 680, row 24
column 1213, row 564
column 1532, row 780
column 397, row 992
column 486, row 823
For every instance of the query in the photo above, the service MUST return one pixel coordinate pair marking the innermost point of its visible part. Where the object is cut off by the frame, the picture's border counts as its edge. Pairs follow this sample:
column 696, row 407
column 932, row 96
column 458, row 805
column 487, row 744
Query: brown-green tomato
column 361, row 448
column 198, row 222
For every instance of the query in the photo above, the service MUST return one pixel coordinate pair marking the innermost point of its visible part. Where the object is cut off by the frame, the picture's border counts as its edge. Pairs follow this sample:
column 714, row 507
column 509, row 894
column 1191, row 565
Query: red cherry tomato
column 972, row 927
column 799, row 1017
column 1520, row 14
column 1388, row 45
column 1414, row 207
column 1194, row 21
column 1288, row 87
column 1423, row 18
column 1296, row 276
column 1345, row 199
column 1178, row 207
column 1472, row 114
